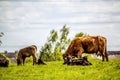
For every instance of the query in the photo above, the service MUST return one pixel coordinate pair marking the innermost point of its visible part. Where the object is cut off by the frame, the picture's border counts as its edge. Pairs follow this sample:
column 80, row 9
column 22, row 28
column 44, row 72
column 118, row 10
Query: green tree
column 80, row 34
column 1, row 35
column 52, row 49
column 53, row 36
column 57, row 54
column 64, row 40
column 47, row 51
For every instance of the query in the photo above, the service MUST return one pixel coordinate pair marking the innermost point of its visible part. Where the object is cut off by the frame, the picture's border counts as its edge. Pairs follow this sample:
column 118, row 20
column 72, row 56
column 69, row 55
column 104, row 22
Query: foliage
column 1, row 35
column 64, row 41
column 81, row 34
column 45, row 52
column 4, row 60
column 57, row 71
column 3, row 54
column 52, row 49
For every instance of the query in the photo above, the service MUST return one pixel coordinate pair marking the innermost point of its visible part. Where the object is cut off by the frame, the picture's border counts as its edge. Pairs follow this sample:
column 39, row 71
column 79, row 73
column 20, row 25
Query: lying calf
column 83, row 61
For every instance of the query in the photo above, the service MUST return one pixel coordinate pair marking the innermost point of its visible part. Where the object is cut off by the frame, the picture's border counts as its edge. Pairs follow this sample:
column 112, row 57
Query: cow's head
column 65, row 58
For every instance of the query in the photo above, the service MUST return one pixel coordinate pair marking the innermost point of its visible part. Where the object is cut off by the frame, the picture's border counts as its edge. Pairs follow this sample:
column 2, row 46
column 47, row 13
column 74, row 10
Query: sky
column 28, row 22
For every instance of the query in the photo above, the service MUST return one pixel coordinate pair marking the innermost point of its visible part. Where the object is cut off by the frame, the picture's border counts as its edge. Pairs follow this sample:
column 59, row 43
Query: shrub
column 4, row 61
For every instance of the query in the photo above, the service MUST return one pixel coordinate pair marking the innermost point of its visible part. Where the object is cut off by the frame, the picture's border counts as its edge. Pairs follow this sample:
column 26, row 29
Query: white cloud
column 41, row 12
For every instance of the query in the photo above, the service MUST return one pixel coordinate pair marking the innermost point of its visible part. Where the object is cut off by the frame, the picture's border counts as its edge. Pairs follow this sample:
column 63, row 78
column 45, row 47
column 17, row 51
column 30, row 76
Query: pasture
column 57, row 71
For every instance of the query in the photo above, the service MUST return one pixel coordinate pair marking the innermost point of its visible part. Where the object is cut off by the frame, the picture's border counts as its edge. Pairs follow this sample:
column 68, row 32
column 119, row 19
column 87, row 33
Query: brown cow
column 27, row 52
column 87, row 44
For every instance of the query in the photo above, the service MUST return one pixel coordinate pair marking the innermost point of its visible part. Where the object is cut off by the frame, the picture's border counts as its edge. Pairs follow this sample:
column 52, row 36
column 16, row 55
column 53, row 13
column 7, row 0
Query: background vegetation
column 1, row 35
column 56, row 44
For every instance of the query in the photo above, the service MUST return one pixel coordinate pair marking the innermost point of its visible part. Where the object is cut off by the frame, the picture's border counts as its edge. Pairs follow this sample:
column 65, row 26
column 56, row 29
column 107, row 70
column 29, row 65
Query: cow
column 26, row 52
column 87, row 44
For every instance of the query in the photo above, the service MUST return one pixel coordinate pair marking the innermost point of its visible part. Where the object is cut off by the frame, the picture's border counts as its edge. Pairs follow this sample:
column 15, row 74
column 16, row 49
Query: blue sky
column 28, row 22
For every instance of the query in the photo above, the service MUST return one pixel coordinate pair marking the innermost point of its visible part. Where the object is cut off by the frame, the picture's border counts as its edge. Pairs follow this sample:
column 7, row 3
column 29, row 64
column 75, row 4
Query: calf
column 26, row 52
column 83, row 61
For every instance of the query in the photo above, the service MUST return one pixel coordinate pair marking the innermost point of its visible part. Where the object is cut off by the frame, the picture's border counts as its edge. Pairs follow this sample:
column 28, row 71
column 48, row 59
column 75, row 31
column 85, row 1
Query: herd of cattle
column 78, row 46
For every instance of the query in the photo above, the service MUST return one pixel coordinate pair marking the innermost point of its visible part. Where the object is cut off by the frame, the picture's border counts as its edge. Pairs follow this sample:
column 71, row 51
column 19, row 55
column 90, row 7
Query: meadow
column 55, row 70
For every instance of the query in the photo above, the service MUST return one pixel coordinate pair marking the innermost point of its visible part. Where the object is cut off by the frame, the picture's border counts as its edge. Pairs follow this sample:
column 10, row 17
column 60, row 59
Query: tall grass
column 57, row 71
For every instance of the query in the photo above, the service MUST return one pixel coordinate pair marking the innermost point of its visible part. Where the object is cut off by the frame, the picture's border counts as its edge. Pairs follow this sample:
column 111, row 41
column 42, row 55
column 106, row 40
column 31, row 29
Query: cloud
column 49, row 12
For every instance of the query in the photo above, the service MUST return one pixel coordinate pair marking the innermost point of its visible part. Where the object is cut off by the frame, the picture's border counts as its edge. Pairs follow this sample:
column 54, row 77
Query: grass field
column 57, row 71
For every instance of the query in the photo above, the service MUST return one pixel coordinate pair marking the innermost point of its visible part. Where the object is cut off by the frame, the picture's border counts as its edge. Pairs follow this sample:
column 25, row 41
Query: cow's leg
column 24, row 60
column 106, row 55
column 102, row 56
column 34, row 59
column 21, row 60
column 79, row 55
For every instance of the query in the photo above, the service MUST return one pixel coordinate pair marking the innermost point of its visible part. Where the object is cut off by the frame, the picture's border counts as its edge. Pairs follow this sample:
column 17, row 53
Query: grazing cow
column 83, row 61
column 87, row 44
column 27, row 52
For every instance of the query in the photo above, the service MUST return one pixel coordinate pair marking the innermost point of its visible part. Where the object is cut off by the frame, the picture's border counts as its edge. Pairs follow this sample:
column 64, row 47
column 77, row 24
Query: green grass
column 57, row 71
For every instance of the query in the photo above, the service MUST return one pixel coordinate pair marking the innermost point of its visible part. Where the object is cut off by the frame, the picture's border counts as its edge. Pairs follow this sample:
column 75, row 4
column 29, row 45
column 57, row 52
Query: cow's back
column 90, row 44
column 27, row 51
column 87, row 44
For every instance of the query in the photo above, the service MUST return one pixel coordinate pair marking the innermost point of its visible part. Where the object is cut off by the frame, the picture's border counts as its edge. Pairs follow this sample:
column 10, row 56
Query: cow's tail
column 105, row 52
column 35, row 47
column 35, row 56
column 106, row 55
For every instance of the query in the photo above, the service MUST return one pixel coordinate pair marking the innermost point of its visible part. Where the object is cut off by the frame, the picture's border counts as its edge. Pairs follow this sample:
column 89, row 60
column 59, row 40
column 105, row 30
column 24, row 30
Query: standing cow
column 87, row 44
column 27, row 52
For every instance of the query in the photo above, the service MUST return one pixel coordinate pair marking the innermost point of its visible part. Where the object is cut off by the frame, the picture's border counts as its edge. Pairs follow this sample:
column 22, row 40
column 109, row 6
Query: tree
column 47, row 51
column 64, row 40
column 53, row 36
column 1, row 35
column 81, row 34
column 52, row 49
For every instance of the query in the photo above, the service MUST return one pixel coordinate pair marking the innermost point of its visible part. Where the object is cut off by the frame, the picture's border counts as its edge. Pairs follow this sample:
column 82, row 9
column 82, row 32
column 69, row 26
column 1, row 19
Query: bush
column 4, row 61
